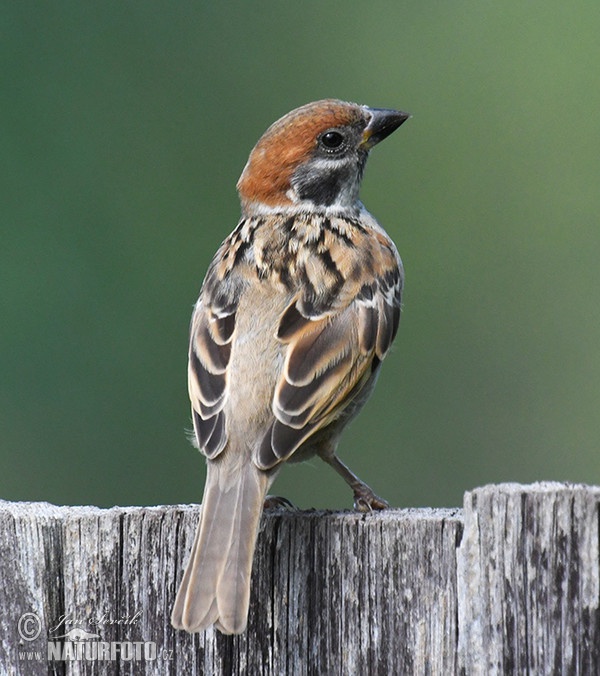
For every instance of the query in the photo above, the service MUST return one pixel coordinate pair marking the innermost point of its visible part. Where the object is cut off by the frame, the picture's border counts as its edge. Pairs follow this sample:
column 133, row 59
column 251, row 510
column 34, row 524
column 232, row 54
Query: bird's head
column 314, row 157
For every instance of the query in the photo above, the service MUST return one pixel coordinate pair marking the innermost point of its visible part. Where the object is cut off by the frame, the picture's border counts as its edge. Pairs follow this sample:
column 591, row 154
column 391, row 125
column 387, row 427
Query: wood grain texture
column 528, row 580
column 395, row 592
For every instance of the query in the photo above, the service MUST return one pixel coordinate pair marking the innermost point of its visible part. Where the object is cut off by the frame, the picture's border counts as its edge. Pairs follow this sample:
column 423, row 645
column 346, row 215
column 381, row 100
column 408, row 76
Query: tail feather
column 216, row 584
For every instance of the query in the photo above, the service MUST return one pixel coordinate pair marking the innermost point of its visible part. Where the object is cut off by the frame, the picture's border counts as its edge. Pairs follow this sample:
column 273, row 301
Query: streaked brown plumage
column 298, row 309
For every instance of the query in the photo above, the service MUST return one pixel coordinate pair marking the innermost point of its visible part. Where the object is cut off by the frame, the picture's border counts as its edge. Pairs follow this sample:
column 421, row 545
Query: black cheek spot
column 323, row 191
column 321, row 187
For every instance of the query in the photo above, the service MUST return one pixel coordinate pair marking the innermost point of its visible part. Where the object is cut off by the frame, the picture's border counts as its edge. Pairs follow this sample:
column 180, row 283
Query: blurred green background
column 124, row 127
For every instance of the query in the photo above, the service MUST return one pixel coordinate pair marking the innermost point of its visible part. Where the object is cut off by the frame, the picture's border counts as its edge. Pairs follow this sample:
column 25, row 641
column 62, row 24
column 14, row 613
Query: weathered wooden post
column 528, row 580
column 508, row 585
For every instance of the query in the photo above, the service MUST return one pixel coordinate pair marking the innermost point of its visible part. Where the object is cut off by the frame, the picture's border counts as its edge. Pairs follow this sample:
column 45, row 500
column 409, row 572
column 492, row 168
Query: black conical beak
column 383, row 123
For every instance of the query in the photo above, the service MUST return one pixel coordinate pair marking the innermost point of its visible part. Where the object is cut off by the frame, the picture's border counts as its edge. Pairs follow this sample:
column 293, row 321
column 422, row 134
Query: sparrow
column 298, row 309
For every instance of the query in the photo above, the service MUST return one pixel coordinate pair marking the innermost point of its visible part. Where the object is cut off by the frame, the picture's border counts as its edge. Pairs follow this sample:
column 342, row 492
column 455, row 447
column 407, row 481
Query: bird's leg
column 365, row 499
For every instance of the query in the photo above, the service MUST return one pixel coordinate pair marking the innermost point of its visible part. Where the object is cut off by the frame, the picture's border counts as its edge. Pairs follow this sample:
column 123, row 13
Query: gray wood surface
column 508, row 585
column 528, row 580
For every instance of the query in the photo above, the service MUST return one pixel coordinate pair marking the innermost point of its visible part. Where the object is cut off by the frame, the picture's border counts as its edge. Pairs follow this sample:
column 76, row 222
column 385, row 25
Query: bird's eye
column 332, row 140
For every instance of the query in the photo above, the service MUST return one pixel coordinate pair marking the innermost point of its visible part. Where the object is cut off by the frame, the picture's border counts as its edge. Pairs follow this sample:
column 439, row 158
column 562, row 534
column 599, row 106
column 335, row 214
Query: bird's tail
column 216, row 584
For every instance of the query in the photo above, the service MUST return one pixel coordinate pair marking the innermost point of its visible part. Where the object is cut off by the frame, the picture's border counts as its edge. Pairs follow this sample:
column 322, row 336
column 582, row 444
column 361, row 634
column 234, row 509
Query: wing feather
column 292, row 401
column 207, row 377
column 315, row 348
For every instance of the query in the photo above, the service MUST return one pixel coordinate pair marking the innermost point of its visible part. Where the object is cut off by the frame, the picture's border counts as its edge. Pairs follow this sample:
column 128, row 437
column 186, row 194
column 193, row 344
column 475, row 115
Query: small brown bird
column 299, row 307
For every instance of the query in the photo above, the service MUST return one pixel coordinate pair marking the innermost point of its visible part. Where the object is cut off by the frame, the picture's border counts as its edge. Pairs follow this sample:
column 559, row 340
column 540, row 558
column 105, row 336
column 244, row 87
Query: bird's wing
column 210, row 349
column 336, row 332
column 211, row 338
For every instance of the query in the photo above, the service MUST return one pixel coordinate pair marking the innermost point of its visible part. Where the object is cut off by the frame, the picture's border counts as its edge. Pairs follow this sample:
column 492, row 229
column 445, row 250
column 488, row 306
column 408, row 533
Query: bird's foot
column 365, row 499
column 278, row 502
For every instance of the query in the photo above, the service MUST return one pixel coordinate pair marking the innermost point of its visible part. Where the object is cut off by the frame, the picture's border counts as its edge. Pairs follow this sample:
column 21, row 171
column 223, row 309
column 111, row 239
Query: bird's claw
column 366, row 501
column 278, row 502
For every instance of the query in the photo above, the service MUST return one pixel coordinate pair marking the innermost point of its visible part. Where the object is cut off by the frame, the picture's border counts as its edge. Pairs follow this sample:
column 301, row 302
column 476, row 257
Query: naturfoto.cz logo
column 77, row 643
